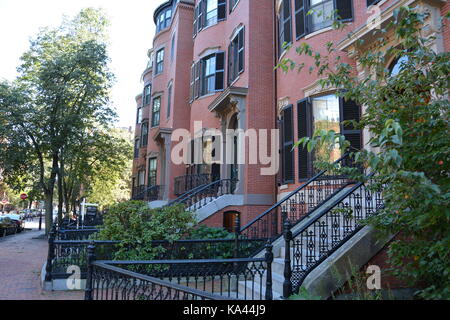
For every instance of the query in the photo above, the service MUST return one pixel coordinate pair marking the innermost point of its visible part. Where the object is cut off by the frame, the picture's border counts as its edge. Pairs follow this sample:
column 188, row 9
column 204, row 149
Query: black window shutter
column 220, row 70
column 194, row 33
column 241, row 44
column 230, row 63
column 287, row 26
column 197, row 79
column 303, row 111
column 300, row 18
column 371, row 2
column 221, row 10
column 288, row 153
column 344, row 9
column 351, row 111
column 191, row 91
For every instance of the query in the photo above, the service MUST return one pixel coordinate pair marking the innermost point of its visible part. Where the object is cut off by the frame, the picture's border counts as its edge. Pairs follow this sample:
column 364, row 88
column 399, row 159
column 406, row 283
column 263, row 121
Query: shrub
column 136, row 226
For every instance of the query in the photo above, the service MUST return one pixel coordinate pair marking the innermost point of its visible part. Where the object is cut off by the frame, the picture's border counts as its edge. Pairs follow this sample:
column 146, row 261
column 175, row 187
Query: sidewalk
column 21, row 260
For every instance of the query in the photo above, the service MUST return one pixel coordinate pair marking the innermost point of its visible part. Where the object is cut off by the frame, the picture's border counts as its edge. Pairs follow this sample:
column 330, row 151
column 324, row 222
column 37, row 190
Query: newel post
column 89, row 281
column 287, row 233
column 269, row 260
column 50, row 254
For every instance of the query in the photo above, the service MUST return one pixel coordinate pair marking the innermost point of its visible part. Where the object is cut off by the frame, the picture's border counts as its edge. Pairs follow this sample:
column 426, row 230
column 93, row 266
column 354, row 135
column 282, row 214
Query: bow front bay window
column 156, row 109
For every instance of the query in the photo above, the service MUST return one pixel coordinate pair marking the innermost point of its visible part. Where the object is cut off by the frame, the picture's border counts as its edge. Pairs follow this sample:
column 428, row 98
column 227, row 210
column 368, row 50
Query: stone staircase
column 324, row 240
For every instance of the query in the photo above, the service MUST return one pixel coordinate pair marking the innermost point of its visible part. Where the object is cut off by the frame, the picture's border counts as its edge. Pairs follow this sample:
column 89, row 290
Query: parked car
column 7, row 226
column 18, row 220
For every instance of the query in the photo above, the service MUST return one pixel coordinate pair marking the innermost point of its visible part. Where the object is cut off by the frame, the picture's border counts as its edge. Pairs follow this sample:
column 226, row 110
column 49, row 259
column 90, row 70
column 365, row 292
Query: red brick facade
column 256, row 97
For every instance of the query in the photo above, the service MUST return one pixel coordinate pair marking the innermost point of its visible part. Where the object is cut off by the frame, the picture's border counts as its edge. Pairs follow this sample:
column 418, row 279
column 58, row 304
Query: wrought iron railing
column 67, row 253
column 245, row 278
column 107, row 282
column 186, row 183
column 319, row 238
column 300, row 203
column 69, row 247
column 203, row 195
column 151, row 193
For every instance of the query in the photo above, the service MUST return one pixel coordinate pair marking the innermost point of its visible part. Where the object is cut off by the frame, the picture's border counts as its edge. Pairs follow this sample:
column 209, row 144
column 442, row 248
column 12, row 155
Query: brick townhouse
column 212, row 61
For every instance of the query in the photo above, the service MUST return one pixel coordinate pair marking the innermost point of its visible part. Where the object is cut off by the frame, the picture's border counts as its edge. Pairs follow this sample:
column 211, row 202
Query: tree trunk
column 48, row 211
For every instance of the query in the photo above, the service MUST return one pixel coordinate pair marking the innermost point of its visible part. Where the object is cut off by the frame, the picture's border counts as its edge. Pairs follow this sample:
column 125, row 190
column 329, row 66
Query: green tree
column 62, row 91
column 406, row 115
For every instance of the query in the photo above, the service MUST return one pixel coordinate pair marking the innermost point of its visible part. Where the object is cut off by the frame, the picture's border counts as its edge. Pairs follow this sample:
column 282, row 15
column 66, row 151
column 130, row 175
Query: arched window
column 397, row 65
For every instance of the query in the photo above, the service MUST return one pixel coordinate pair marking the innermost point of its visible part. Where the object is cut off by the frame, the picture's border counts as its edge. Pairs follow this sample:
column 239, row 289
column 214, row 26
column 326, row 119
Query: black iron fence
column 185, row 183
column 244, row 278
column 318, row 239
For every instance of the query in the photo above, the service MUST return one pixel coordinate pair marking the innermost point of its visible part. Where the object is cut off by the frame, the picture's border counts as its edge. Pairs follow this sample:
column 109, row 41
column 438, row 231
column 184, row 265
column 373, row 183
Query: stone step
column 246, row 289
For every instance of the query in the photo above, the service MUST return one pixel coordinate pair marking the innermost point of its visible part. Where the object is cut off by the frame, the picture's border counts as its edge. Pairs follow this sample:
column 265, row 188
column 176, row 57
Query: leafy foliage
column 407, row 116
column 136, row 226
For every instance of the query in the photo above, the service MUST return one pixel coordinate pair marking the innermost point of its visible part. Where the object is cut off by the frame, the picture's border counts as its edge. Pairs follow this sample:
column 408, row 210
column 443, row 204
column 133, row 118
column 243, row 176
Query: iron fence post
column 237, row 234
column 91, row 258
column 51, row 254
column 269, row 260
column 287, row 233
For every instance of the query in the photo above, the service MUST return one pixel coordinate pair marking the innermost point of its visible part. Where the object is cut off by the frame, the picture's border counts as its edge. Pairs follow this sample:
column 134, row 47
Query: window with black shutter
column 314, row 15
column 144, row 134
column 236, row 56
column 284, row 25
column 288, row 143
column 208, row 13
column 326, row 112
column 156, row 111
column 147, row 94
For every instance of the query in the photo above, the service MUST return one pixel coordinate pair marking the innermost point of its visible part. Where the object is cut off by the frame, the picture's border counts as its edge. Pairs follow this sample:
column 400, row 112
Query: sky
column 131, row 34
